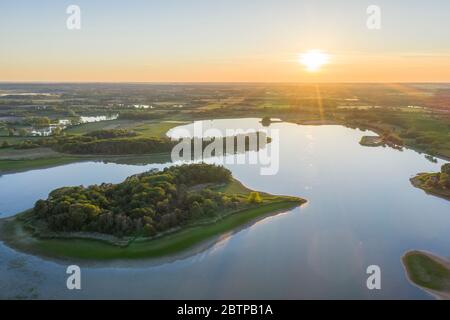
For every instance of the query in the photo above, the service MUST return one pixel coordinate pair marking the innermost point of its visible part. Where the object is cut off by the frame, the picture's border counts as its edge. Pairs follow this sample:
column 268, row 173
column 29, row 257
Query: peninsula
column 429, row 272
column 152, row 214
column 437, row 184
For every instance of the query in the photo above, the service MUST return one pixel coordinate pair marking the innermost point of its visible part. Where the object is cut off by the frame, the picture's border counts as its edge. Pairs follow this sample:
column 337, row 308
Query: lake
column 361, row 211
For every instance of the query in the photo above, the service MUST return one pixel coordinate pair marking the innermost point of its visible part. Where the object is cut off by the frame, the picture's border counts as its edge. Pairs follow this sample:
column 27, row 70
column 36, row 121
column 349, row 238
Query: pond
column 361, row 211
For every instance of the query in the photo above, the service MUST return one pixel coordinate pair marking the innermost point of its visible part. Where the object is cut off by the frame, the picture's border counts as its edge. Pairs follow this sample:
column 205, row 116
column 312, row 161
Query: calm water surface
column 362, row 210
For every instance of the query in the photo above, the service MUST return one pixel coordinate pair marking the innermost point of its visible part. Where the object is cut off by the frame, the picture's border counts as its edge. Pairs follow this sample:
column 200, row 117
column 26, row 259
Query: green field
column 10, row 162
column 427, row 271
column 419, row 129
column 100, row 125
column 155, row 129
column 147, row 128
column 16, row 139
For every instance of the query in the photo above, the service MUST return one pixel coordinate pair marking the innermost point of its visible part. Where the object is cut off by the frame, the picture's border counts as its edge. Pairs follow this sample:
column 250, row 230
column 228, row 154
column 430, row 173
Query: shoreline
column 371, row 141
column 443, row 294
column 63, row 159
column 417, row 182
column 180, row 243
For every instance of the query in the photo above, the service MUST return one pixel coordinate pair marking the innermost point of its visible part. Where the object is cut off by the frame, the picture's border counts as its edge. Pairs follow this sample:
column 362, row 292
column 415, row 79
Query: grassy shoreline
column 15, row 166
column 419, row 181
column 157, row 129
column 371, row 141
column 24, row 160
column 429, row 272
column 15, row 235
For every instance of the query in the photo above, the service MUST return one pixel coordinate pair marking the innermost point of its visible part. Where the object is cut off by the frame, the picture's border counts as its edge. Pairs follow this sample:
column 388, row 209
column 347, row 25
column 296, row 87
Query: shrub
column 446, row 168
column 254, row 197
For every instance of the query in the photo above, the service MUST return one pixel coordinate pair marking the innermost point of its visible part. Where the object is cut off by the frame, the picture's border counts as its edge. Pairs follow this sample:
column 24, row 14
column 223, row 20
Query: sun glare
column 313, row 60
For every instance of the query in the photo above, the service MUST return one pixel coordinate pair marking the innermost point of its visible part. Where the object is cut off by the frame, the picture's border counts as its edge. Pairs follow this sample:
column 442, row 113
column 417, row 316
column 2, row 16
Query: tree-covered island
column 434, row 183
column 149, row 214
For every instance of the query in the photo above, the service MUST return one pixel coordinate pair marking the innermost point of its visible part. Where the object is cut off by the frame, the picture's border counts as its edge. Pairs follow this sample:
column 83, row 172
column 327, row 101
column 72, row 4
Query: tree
column 266, row 121
column 446, row 168
column 40, row 122
column 444, row 180
column 72, row 114
column 144, row 204
column 57, row 131
column 209, row 206
column 196, row 210
column 41, row 208
column 23, row 132
column 149, row 230
column 254, row 197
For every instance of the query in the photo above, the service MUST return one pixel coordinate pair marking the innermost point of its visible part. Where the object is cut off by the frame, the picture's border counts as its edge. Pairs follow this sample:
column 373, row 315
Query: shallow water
column 361, row 210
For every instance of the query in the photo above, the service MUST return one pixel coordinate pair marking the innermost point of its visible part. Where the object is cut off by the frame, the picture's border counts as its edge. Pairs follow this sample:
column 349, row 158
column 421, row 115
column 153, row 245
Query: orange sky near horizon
column 341, row 68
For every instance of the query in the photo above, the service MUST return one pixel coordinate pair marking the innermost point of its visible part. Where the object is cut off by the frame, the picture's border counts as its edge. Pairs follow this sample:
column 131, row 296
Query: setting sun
column 313, row 60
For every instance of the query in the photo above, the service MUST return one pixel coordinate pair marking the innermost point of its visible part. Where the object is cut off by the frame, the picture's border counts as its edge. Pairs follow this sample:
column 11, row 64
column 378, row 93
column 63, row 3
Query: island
column 267, row 121
column 429, row 272
column 151, row 214
column 390, row 140
column 437, row 184
column 371, row 141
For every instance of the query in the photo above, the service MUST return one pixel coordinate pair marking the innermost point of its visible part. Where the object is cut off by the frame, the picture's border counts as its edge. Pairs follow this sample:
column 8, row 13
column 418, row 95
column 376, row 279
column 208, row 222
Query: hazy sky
column 224, row 40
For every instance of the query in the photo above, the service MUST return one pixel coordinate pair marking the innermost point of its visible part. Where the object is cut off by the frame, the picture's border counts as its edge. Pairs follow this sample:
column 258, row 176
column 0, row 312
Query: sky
column 224, row 41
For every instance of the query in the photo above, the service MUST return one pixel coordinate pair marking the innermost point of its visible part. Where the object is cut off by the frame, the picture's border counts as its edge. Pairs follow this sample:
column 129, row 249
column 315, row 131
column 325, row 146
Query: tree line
column 123, row 142
column 144, row 204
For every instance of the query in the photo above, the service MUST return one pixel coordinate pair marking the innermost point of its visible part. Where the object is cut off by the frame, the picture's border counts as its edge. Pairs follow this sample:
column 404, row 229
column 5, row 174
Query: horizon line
column 220, row 82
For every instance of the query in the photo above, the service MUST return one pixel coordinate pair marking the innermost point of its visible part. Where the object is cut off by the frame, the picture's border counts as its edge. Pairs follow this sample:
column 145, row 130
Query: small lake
column 361, row 211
